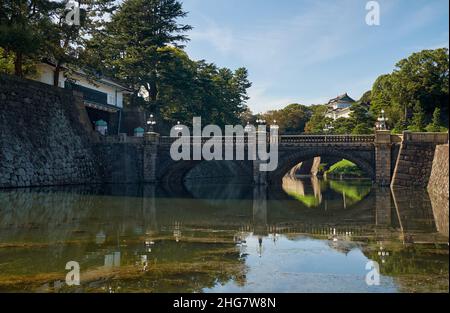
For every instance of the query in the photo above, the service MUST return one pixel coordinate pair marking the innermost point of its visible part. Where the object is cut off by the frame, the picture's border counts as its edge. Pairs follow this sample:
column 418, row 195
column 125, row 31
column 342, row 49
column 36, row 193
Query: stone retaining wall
column 42, row 137
column 415, row 159
column 120, row 163
column 438, row 188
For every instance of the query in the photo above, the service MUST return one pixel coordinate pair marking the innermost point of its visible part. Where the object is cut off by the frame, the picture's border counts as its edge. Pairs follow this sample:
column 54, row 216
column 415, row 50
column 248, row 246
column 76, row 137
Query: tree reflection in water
column 310, row 190
column 143, row 238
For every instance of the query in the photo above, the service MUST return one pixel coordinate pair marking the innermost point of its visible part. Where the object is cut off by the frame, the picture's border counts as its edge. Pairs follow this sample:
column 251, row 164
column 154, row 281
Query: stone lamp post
column 259, row 177
column 274, row 125
column 151, row 143
column 274, row 128
column 248, row 128
column 261, row 122
column 382, row 121
column 151, row 122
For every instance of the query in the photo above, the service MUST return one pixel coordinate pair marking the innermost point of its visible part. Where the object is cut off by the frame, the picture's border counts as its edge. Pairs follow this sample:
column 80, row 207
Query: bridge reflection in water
column 213, row 236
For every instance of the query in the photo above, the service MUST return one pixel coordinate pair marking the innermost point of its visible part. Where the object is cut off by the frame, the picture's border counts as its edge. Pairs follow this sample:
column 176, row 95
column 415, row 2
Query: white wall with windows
column 113, row 91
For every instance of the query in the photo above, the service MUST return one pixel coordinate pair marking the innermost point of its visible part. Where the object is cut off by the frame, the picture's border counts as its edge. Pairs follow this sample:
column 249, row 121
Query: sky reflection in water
column 307, row 235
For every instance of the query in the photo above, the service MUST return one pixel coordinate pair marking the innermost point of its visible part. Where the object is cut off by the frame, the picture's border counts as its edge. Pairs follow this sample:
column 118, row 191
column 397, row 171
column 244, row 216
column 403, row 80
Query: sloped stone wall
column 438, row 187
column 415, row 159
column 120, row 163
column 439, row 179
column 413, row 167
column 42, row 137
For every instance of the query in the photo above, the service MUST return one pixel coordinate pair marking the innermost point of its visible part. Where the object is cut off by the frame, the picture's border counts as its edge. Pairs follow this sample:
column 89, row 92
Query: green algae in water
column 138, row 238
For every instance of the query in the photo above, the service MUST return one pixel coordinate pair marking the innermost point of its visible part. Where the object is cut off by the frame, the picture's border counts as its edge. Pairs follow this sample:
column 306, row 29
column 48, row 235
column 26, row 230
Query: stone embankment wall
column 438, row 188
column 43, row 138
column 120, row 163
column 415, row 160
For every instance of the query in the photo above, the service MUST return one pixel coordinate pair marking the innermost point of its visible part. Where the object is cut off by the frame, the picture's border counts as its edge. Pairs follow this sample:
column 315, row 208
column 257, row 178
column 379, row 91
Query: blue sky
column 308, row 51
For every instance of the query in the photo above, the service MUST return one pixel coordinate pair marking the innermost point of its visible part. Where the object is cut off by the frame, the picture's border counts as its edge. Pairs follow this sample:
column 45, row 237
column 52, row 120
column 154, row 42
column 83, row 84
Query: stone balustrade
column 436, row 138
column 283, row 139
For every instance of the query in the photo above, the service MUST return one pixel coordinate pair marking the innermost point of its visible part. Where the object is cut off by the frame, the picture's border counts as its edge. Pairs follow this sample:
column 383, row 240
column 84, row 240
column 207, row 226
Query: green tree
column 366, row 98
column 6, row 62
column 418, row 119
column 291, row 119
column 343, row 126
column 23, row 24
column 436, row 124
column 247, row 116
column 188, row 88
column 382, row 99
column 362, row 129
column 361, row 118
column 131, row 47
column 421, row 78
column 318, row 122
column 63, row 41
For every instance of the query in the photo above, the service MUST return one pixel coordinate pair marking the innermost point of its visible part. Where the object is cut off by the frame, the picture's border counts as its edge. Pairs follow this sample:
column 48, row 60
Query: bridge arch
column 176, row 172
column 292, row 151
column 365, row 160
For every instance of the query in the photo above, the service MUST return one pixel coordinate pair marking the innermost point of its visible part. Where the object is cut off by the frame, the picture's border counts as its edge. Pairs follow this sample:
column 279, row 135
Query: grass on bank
column 345, row 168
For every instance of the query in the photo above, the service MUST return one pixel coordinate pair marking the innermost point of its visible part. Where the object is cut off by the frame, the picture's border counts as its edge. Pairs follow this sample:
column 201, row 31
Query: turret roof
column 342, row 98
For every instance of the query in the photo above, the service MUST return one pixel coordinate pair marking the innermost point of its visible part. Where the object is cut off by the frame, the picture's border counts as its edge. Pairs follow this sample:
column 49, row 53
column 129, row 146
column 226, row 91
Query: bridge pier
column 260, row 210
column 149, row 209
column 383, row 206
column 383, row 147
column 259, row 177
column 151, row 143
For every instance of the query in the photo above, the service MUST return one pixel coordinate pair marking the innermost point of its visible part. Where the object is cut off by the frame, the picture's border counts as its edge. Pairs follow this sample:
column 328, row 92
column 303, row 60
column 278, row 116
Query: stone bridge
column 385, row 158
column 372, row 153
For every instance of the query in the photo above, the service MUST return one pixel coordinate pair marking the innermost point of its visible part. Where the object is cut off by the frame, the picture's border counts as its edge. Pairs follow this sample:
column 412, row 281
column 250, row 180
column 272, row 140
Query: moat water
column 307, row 235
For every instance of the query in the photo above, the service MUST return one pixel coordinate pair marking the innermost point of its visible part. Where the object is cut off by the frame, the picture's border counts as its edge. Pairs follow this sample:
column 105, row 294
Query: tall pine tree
column 23, row 25
column 131, row 47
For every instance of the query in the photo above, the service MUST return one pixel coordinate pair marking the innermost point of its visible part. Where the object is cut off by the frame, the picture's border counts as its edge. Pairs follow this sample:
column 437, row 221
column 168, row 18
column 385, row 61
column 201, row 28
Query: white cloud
column 283, row 53
column 219, row 38
column 320, row 33
column 261, row 101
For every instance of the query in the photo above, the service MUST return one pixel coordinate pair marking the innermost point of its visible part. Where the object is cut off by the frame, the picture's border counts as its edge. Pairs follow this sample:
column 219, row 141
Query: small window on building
column 110, row 99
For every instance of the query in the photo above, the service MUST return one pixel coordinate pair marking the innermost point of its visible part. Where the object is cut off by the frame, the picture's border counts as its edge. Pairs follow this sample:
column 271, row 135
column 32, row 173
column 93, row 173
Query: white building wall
column 109, row 90
column 345, row 113
column 120, row 99
column 45, row 75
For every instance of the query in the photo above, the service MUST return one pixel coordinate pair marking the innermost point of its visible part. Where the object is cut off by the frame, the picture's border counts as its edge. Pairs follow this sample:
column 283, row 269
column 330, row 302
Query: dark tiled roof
column 342, row 98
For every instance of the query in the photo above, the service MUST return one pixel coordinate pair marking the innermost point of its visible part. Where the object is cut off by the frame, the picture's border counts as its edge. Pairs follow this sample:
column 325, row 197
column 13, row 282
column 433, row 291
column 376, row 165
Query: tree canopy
column 143, row 45
column 417, row 86
column 23, row 29
column 291, row 119
column 139, row 43
column 414, row 97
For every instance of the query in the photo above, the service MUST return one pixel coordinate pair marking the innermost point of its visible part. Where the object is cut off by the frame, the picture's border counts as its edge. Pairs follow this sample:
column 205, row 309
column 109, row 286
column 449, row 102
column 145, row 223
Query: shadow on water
column 305, row 235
